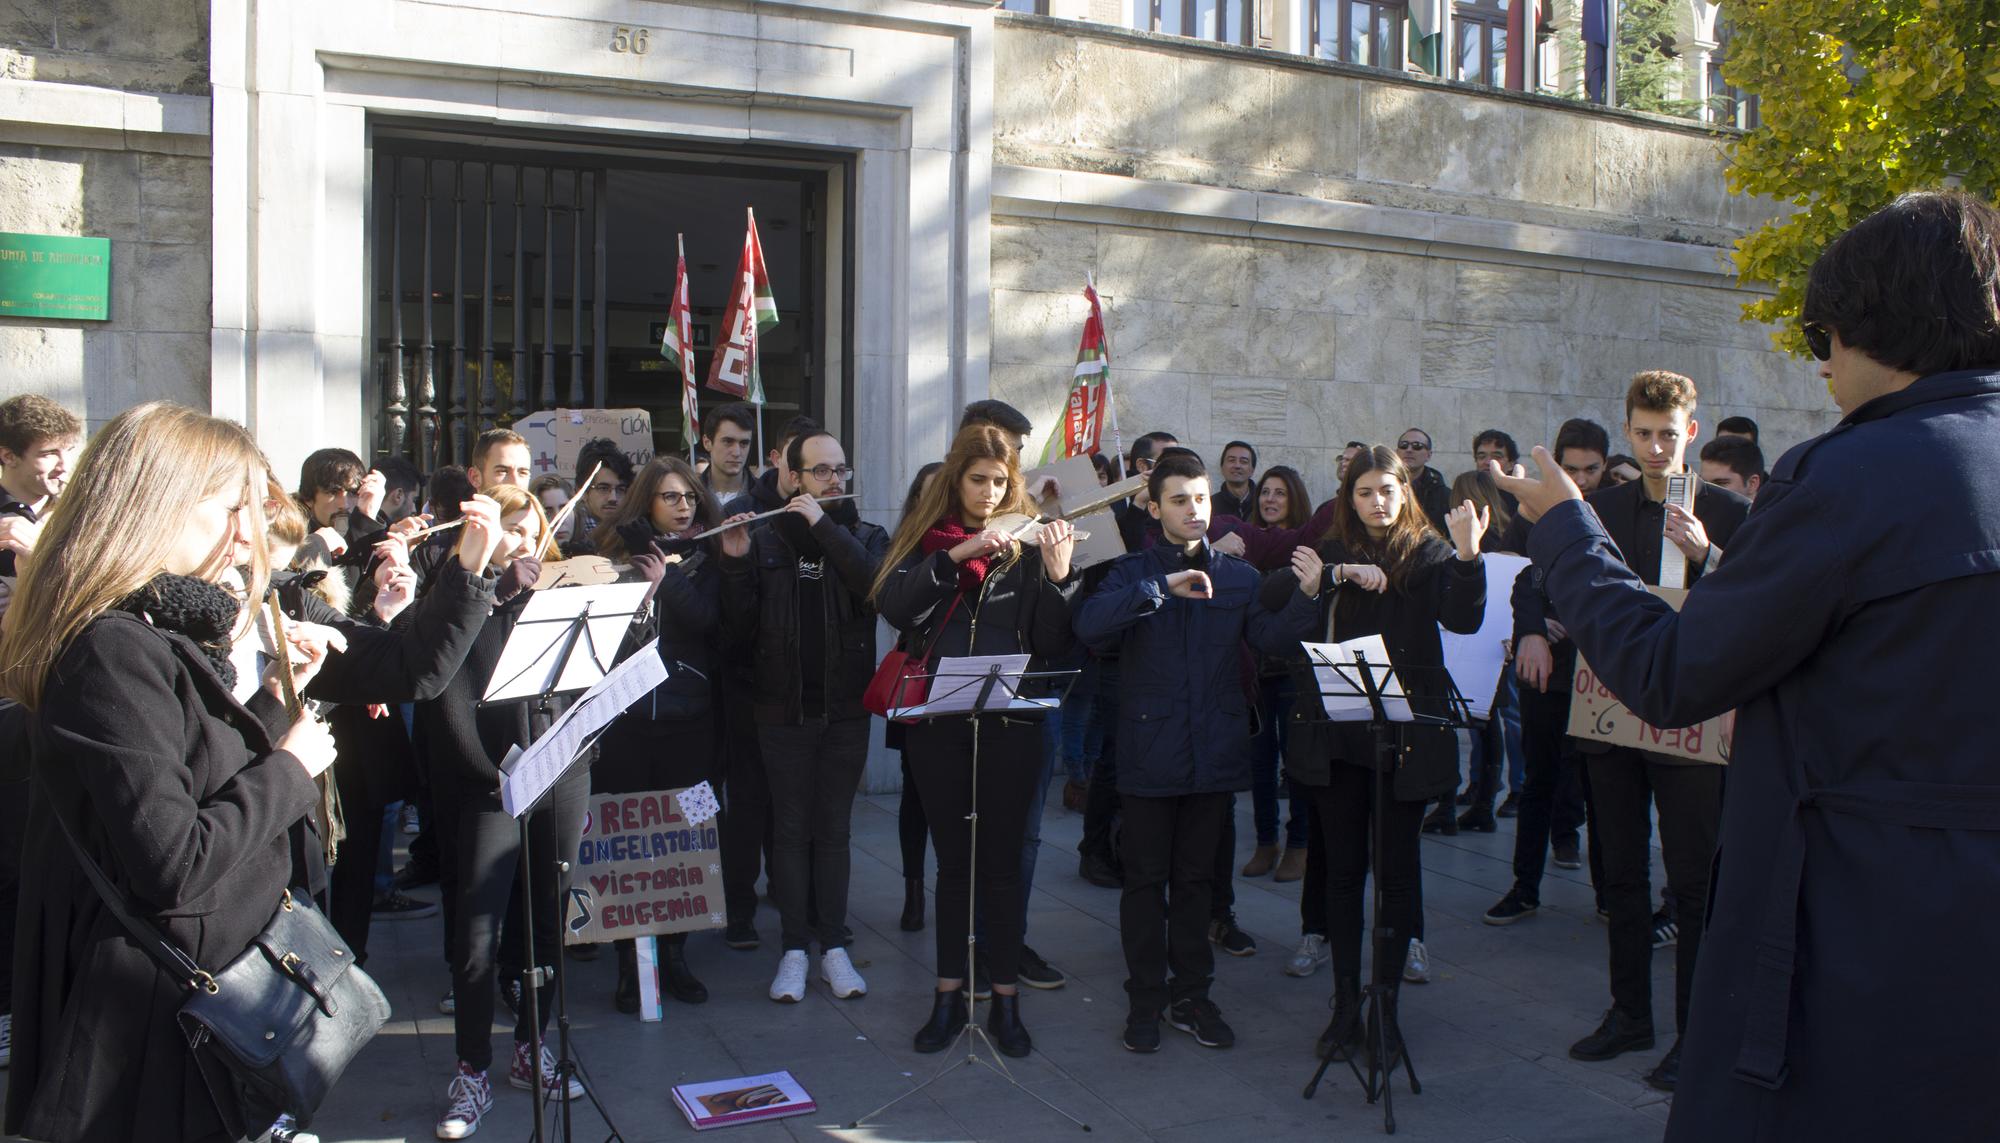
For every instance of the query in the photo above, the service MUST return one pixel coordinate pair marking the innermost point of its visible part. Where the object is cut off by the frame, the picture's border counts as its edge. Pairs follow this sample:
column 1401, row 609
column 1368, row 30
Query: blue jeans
column 385, row 857
column 1266, row 758
column 1507, row 706
column 1079, row 739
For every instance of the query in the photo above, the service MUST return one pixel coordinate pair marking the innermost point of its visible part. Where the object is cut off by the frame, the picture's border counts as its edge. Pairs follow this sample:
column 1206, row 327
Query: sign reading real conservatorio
column 55, row 276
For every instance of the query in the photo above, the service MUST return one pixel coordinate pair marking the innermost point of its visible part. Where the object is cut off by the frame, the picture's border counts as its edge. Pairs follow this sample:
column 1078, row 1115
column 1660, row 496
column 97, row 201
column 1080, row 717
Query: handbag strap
column 938, row 634
column 171, row 959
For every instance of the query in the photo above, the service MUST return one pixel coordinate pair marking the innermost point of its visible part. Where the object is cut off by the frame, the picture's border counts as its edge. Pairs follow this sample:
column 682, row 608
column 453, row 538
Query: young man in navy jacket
column 1177, row 614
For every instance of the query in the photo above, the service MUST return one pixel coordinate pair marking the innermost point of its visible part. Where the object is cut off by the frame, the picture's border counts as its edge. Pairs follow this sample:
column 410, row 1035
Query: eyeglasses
column 1412, row 446
column 1818, row 339
column 829, row 471
column 600, row 488
column 1144, row 463
column 676, row 499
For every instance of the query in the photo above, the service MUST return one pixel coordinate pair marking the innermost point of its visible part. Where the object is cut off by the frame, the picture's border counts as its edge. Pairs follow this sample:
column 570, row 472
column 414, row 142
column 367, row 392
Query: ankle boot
column 626, row 996
column 1262, row 860
column 1004, row 1025
column 913, row 905
column 947, row 1021
column 1346, row 1004
column 676, row 979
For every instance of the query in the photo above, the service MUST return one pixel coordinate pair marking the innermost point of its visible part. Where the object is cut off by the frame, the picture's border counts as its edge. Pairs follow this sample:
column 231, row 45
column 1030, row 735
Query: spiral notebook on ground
column 746, row 1099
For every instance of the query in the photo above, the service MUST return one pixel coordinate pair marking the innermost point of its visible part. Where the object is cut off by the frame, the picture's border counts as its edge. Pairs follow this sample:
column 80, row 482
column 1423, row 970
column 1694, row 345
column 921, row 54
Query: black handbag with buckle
column 283, row 1020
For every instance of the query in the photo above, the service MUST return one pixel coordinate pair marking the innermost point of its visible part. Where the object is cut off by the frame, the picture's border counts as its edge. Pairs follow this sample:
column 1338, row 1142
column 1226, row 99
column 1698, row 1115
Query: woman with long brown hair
column 954, row 585
column 1380, row 570
column 666, row 740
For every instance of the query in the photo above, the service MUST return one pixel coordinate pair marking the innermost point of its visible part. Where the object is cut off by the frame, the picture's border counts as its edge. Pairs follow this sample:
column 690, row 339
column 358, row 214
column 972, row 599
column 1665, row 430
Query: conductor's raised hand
column 1536, row 496
column 1467, row 526
column 479, row 537
column 735, row 540
column 1310, row 569
column 1191, row 585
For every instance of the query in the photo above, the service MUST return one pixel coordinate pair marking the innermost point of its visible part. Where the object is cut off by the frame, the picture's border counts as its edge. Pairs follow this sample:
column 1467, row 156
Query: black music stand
column 1368, row 680
column 555, row 670
column 971, row 693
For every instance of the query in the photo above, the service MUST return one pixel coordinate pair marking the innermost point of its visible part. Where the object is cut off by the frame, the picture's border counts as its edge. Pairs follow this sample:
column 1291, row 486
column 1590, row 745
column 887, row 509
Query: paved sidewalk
column 1489, row 1035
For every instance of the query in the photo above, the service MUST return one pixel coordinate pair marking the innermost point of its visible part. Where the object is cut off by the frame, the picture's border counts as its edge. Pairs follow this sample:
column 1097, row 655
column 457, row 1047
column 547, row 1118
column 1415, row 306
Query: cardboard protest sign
column 555, row 436
column 1077, row 478
column 643, row 869
column 1596, row 715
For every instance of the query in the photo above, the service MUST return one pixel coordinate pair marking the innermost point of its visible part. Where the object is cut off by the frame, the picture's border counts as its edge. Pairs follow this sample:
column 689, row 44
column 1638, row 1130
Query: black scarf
column 200, row 610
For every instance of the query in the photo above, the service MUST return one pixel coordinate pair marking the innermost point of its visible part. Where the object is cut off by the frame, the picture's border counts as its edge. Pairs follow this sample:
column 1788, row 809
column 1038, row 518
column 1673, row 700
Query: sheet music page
column 958, row 683
column 1340, row 683
column 527, row 774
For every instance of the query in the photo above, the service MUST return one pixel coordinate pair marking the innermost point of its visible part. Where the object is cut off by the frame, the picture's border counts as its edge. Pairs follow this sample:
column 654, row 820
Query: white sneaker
column 1417, row 965
column 839, row 974
column 286, row 1130
column 789, row 986
column 471, row 1098
column 448, row 1003
column 518, row 1074
column 1312, row 953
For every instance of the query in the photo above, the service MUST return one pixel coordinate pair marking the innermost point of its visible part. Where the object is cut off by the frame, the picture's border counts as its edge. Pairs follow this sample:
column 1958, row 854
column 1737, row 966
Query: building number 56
column 629, row 40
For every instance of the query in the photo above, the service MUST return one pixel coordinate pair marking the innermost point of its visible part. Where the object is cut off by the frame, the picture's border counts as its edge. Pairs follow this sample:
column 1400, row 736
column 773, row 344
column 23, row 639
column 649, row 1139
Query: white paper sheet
column 1340, row 682
column 1476, row 660
column 528, row 662
column 958, row 684
column 527, row 774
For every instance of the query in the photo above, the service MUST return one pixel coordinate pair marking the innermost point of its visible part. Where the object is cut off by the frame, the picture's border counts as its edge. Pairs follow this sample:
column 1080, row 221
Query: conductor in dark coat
column 1843, row 991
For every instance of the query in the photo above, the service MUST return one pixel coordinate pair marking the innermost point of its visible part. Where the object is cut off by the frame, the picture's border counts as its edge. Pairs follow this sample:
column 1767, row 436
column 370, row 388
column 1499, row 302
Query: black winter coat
column 760, row 604
column 174, row 788
column 1439, row 589
column 461, row 736
column 1016, row 609
column 685, row 616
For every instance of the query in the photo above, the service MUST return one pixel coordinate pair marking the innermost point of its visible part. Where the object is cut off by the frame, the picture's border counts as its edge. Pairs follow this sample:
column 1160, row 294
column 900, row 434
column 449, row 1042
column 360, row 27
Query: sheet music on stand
column 525, row 775
column 1340, row 688
column 541, row 656
column 961, row 686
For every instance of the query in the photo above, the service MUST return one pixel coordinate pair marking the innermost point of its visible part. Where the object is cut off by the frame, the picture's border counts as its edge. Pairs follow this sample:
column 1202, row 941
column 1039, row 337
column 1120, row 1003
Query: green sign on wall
column 54, row 276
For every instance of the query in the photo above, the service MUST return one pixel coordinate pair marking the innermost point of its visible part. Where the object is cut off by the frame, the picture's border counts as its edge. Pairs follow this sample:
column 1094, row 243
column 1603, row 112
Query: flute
column 775, row 512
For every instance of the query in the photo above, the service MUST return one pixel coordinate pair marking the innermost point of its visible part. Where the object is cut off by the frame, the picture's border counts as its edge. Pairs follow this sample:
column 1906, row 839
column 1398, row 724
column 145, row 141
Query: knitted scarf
column 947, row 534
column 195, row 608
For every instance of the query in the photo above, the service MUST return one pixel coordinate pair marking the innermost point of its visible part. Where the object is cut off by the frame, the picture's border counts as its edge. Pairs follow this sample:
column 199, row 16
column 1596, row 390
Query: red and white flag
column 752, row 309
column 677, row 346
column 1089, row 404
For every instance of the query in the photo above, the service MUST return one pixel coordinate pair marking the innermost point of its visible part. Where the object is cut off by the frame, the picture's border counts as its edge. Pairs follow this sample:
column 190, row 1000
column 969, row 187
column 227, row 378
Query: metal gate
column 469, row 332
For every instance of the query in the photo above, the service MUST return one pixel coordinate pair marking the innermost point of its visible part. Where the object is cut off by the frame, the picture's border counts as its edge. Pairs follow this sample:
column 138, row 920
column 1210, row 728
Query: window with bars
column 1479, row 33
column 1366, row 32
column 1223, row 21
column 1725, row 103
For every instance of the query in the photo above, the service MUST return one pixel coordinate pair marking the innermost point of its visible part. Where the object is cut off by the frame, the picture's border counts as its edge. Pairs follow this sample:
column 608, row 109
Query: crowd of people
column 147, row 731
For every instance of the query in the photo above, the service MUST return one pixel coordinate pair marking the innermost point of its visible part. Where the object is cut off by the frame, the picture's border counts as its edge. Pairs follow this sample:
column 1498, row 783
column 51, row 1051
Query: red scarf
column 947, row 534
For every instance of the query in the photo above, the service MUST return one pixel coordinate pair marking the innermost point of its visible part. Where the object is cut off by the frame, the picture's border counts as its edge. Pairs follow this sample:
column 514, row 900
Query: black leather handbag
column 282, row 1021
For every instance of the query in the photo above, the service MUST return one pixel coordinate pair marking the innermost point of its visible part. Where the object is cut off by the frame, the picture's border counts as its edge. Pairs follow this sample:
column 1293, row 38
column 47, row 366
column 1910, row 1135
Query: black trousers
column 746, row 810
column 1168, row 848
column 1343, row 813
column 1625, row 784
column 938, row 754
column 373, row 770
column 912, row 824
column 1552, row 804
column 1100, row 805
column 1222, row 895
column 814, row 769
column 479, row 877
column 636, row 755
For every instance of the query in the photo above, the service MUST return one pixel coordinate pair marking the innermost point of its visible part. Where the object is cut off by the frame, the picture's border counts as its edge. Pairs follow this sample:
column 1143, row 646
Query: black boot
column 1478, row 817
column 1441, row 820
column 1346, row 1003
column 676, row 979
column 1004, row 1025
column 626, row 996
column 946, row 1022
column 913, row 905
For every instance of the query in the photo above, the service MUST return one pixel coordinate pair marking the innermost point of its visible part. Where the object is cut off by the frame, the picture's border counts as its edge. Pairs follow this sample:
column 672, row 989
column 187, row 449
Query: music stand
column 970, row 687
column 536, row 665
column 1362, row 674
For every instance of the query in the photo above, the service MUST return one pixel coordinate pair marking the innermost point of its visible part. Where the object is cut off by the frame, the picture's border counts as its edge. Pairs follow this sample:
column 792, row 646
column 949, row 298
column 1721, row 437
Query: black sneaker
column 1514, row 906
column 1566, row 854
column 1510, row 807
column 1666, row 1076
column 1665, row 931
column 1617, row 1035
column 1442, row 821
column 393, row 906
column 740, row 935
column 1038, row 973
column 1231, row 939
column 1200, row 1018
column 1142, row 1032
column 1478, row 819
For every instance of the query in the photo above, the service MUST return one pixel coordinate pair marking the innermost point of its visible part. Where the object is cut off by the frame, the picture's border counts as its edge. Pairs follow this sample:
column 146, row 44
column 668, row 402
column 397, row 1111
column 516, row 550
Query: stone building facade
column 1293, row 252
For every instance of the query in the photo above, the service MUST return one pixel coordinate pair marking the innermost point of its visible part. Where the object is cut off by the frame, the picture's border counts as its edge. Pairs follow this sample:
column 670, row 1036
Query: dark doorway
column 548, row 265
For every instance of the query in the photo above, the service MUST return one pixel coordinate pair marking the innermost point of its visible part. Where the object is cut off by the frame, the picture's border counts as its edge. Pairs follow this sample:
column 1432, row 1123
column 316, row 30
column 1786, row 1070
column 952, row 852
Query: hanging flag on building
column 751, row 310
column 1427, row 19
column 1089, row 404
column 677, row 346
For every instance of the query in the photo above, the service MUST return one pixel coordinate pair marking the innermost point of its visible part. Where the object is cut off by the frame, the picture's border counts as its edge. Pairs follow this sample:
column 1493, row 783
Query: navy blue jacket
column 1183, row 723
column 1842, row 991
